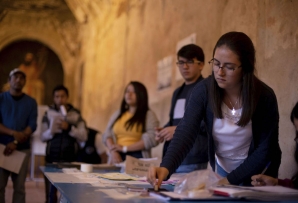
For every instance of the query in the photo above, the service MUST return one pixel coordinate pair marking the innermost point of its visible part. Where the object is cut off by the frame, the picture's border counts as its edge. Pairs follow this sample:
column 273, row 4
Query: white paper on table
column 103, row 183
column 139, row 167
column 93, row 177
column 71, row 171
column 115, row 194
column 66, row 178
column 111, row 183
column 12, row 162
column 117, row 176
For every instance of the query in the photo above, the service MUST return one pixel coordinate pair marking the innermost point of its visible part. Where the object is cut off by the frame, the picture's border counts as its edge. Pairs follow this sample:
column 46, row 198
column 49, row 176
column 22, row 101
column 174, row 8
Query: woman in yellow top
column 130, row 130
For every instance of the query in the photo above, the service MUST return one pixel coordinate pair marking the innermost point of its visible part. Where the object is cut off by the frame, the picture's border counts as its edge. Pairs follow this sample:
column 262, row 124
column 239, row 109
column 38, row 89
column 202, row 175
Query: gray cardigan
column 148, row 136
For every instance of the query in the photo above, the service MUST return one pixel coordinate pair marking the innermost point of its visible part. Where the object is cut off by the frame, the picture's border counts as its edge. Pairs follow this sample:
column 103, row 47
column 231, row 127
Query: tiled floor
column 35, row 192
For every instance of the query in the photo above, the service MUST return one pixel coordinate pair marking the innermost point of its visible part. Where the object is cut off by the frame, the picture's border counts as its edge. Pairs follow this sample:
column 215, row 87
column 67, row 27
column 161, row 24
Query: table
column 86, row 193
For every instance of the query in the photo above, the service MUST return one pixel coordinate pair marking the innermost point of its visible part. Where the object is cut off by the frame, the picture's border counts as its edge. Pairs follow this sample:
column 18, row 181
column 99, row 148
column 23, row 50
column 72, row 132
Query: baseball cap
column 16, row 70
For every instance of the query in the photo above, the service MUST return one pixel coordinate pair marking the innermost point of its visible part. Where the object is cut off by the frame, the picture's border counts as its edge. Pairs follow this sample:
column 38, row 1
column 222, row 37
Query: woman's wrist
column 124, row 149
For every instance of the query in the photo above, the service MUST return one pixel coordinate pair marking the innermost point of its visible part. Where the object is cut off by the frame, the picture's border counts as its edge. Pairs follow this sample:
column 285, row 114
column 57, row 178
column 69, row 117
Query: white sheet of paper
column 115, row 194
column 179, row 109
column 66, row 178
column 117, row 176
column 12, row 162
column 139, row 167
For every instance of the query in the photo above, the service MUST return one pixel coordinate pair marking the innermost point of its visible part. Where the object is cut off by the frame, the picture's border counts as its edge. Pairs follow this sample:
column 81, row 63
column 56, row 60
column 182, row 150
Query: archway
column 42, row 66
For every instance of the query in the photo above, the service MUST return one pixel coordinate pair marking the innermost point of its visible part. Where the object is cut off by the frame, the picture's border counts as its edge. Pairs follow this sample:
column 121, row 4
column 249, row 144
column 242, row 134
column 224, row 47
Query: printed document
column 12, row 162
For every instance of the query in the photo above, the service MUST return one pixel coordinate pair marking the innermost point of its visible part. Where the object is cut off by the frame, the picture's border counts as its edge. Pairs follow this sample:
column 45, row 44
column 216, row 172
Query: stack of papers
column 117, row 176
column 265, row 193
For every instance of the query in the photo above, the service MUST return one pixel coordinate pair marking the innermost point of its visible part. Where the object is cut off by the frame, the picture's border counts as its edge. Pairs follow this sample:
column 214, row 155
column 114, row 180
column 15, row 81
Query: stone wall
column 103, row 45
column 127, row 38
column 59, row 33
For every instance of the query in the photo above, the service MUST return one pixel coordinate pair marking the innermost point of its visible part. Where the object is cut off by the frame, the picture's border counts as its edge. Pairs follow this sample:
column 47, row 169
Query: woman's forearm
column 136, row 146
column 109, row 143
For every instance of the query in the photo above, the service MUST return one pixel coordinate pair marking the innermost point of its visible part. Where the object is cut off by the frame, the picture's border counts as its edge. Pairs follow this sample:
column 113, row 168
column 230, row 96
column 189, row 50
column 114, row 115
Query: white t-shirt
column 231, row 141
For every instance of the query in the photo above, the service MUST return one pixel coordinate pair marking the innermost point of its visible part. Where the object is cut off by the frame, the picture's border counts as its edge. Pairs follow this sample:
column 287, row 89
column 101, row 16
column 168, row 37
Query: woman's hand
column 263, row 180
column 116, row 147
column 223, row 181
column 159, row 173
column 166, row 133
column 116, row 158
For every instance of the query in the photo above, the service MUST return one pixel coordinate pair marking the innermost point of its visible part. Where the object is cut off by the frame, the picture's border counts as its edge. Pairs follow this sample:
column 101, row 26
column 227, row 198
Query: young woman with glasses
column 240, row 113
column 131, row 129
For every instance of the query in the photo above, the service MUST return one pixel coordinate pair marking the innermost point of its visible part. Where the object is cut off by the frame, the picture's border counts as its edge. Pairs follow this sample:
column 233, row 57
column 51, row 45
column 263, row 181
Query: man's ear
column 201, row 65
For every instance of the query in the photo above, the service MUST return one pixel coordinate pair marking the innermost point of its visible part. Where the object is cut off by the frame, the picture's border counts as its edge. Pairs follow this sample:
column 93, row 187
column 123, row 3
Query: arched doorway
column 42, row 66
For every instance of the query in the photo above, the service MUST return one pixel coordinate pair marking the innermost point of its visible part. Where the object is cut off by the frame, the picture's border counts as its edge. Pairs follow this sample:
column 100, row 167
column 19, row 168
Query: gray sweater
column 148, row 136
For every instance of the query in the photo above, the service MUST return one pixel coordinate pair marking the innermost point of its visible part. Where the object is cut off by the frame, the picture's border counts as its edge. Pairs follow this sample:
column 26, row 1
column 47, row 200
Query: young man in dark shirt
column 190, row 63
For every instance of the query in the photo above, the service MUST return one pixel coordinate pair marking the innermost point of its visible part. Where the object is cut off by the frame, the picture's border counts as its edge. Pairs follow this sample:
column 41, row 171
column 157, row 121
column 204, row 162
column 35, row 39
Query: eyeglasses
column 228, row 68
column 180, row 64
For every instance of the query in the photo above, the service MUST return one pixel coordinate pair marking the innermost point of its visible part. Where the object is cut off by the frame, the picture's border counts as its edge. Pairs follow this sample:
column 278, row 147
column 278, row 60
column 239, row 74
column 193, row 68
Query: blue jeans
column 191, row 167
column 17, row 179
column 220, row 171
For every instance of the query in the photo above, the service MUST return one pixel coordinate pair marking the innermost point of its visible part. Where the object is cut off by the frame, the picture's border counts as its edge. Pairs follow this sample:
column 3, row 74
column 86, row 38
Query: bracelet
column 124, row 149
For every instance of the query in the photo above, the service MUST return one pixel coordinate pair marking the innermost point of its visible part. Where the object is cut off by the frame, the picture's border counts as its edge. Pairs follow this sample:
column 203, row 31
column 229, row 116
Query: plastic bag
column 197, row 183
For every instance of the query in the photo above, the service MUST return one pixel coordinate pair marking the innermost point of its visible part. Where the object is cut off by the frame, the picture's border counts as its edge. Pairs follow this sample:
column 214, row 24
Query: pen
column 265, row 169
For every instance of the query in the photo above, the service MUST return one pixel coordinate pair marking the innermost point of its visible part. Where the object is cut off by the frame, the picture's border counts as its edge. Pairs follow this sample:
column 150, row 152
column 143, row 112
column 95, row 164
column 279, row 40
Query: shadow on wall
column 42, row 66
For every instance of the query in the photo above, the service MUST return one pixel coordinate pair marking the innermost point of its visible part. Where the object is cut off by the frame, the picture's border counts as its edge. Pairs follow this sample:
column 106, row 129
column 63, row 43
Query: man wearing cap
column 18, row 115
column 190, row 63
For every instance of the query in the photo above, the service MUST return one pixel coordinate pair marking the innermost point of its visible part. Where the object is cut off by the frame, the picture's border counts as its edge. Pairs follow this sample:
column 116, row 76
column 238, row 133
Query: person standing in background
column 190, row 63
column 130, row 130
column 18, row 117
column 62, row 128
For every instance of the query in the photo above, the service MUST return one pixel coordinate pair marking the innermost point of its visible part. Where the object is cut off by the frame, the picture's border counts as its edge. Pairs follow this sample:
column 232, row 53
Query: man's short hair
column 60, row 87
column 191, row 51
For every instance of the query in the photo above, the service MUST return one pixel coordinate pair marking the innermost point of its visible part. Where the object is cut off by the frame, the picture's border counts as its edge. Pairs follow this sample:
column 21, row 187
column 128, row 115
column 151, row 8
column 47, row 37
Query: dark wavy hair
column 139, row 118
column 243, row 47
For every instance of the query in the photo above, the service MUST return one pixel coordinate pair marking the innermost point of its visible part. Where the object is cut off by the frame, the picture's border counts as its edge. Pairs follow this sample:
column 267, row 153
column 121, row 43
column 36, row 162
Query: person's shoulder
column 115, row 115
column 150, row 113
column 178, row 88
column 265, row 90
column 4, row 94
column 1, row 95
column 74, row 109
column 203, row 84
